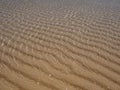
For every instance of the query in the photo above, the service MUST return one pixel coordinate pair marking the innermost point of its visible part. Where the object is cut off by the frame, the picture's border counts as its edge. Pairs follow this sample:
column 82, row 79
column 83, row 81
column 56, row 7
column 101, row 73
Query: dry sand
column 59, row 44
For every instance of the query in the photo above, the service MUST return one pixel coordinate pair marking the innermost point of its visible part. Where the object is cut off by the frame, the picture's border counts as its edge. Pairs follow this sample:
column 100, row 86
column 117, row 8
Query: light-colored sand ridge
column 59, row 45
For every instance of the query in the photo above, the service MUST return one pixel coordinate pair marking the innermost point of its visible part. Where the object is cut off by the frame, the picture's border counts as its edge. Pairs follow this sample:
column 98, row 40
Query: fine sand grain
column 59, row 44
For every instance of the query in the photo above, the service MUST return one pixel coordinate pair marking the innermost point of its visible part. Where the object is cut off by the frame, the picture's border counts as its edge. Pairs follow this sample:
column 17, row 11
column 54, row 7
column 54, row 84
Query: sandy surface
column 59, row 44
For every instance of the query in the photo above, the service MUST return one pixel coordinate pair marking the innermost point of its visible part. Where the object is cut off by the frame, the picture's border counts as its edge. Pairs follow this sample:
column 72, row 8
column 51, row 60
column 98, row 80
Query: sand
column 59, row 44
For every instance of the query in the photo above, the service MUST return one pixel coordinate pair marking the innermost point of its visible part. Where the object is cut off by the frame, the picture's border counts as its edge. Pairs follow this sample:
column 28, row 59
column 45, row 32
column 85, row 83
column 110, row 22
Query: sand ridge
column 59, row 45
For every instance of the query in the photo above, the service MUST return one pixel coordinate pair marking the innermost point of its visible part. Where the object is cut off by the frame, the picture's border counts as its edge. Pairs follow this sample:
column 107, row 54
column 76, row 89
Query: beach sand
column 59, row 44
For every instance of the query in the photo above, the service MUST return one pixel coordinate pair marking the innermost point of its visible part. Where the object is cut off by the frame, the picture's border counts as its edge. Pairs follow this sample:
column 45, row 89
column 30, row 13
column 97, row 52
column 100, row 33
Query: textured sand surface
column 59, row 44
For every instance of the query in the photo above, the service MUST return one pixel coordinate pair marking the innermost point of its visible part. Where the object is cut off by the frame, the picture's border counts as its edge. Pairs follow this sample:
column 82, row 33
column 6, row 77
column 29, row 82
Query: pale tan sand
column 59, row 44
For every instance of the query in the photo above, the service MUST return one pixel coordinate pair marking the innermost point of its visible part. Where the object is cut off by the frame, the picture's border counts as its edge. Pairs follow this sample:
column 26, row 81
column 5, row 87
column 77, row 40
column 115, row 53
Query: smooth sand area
column 59, row 44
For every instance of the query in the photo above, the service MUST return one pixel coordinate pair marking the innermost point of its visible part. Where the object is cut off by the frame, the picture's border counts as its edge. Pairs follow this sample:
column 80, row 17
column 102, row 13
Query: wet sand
column 59, row 45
